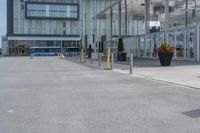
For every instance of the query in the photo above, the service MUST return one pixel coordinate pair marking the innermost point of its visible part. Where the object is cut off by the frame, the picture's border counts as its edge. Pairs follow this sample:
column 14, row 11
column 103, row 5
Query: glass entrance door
column 141, row 46
column 155, row 44
column 180, row 44
column 148, row 46
column 171, row 39
column 191, row 43
column 152, row 45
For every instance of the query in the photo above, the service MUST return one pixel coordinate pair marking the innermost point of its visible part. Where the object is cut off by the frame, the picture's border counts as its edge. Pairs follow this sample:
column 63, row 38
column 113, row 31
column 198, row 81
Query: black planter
column 121, row 56
column 165, row 58
column 89, row 55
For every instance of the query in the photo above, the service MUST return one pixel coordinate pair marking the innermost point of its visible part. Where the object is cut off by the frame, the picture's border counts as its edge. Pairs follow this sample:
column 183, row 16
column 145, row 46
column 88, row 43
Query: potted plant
column 90, row 50
column 121, row 55
column 165, row 54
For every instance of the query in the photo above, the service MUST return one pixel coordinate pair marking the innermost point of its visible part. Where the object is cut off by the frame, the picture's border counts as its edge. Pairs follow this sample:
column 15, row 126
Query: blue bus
column 45, row 51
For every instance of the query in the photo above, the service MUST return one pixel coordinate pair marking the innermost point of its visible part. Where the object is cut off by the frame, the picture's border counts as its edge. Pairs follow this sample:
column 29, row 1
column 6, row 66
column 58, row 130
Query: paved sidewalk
column 186, row 73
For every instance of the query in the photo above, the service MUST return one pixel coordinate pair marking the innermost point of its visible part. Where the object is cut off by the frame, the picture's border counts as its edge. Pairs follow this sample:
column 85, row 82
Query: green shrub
column 120, row 45
column 164, row 45
column 90, row 50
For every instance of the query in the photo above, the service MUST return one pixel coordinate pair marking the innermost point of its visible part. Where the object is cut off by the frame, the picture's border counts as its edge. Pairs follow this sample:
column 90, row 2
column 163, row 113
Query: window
column 22, row 7
column 52, row 10
column 64, row 24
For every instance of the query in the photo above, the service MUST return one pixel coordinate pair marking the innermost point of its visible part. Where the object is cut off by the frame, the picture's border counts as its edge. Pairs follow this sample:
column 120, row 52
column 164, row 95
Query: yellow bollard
column 108, row 64
column 82, row 56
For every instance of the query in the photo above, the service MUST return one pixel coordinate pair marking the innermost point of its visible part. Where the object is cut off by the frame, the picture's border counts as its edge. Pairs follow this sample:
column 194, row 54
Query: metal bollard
column 131, row 63
column 31, row 56
column 100, row 59
column 112, row 61
column 91, row 59
column 77, row 58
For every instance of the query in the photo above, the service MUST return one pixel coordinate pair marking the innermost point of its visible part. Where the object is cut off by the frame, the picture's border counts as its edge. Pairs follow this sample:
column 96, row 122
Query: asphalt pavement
column 52, row 95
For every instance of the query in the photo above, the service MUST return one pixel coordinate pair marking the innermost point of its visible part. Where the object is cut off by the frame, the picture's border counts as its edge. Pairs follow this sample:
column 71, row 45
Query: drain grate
column 193, row 113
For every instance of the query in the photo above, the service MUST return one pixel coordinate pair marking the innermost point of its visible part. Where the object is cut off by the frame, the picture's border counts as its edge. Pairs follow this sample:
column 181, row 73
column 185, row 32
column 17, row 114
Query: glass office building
column 145, row 24
column 52, row 23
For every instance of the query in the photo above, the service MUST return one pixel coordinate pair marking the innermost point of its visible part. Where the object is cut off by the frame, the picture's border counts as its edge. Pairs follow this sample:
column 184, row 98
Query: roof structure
column 136, row 10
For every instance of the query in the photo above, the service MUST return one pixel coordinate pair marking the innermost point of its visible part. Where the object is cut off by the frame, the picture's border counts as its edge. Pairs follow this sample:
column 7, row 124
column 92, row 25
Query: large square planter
column 165, row 58
column 121, row 56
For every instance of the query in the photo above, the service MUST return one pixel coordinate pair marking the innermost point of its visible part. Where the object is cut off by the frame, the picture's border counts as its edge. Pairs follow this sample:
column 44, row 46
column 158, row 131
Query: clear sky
column 2, row 19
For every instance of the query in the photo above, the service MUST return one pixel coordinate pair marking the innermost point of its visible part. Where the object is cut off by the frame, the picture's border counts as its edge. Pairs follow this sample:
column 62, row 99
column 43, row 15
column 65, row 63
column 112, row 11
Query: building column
column 81, row 22
column 126, row 17
column 111, row 21
column 120, row 16
column 147, row 11
column 166, row 19
column 198, row 45
column 94, row 21
column 186, row 13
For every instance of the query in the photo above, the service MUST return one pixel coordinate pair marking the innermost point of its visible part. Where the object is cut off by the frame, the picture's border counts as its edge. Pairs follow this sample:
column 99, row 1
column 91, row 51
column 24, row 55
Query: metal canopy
column 136, row 10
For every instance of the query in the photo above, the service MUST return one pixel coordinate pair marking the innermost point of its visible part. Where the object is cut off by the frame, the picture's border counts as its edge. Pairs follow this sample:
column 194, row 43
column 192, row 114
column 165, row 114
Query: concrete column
column 198, row 45
column 166, row 19
column 94, row 37
column 120, row 16
column 126, row 17
column 81, row 17
column 186, row 13
column 111, row 21
column 147, row 11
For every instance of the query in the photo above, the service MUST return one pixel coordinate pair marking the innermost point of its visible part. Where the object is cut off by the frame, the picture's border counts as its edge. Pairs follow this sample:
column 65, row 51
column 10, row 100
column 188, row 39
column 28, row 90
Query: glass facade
column 21, row 47
column 46, row 17
column 55, row 11
column 67, row 19
column 145, row 26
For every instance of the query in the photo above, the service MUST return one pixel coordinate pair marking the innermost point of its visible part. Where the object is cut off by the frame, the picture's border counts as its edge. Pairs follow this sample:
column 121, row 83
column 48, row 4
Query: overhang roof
column 136, row 10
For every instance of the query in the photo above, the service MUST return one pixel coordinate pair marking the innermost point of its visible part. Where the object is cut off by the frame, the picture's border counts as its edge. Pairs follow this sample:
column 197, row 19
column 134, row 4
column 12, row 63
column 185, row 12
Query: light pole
column 61, row 41
column 166, row 19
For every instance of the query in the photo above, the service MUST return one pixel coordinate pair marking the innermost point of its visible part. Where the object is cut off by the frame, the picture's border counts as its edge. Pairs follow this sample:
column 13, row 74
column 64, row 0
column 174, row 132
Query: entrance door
column 148, row 46
column 171, row 39
column 155, row 44
column 181, row 44
column 191, row 43
column 141, row 46
column 22, row 51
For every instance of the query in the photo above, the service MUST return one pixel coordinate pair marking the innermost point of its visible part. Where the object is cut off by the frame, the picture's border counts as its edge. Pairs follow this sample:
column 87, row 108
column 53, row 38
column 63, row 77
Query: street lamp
column 61, row 42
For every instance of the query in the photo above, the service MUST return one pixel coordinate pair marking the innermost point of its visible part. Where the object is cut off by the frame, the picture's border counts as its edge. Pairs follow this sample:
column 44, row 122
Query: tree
column 121, row 55
column 120, row 45
column 90, row 50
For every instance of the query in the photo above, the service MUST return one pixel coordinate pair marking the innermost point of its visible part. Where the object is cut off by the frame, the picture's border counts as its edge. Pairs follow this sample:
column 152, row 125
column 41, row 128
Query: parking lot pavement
column 51, row 95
